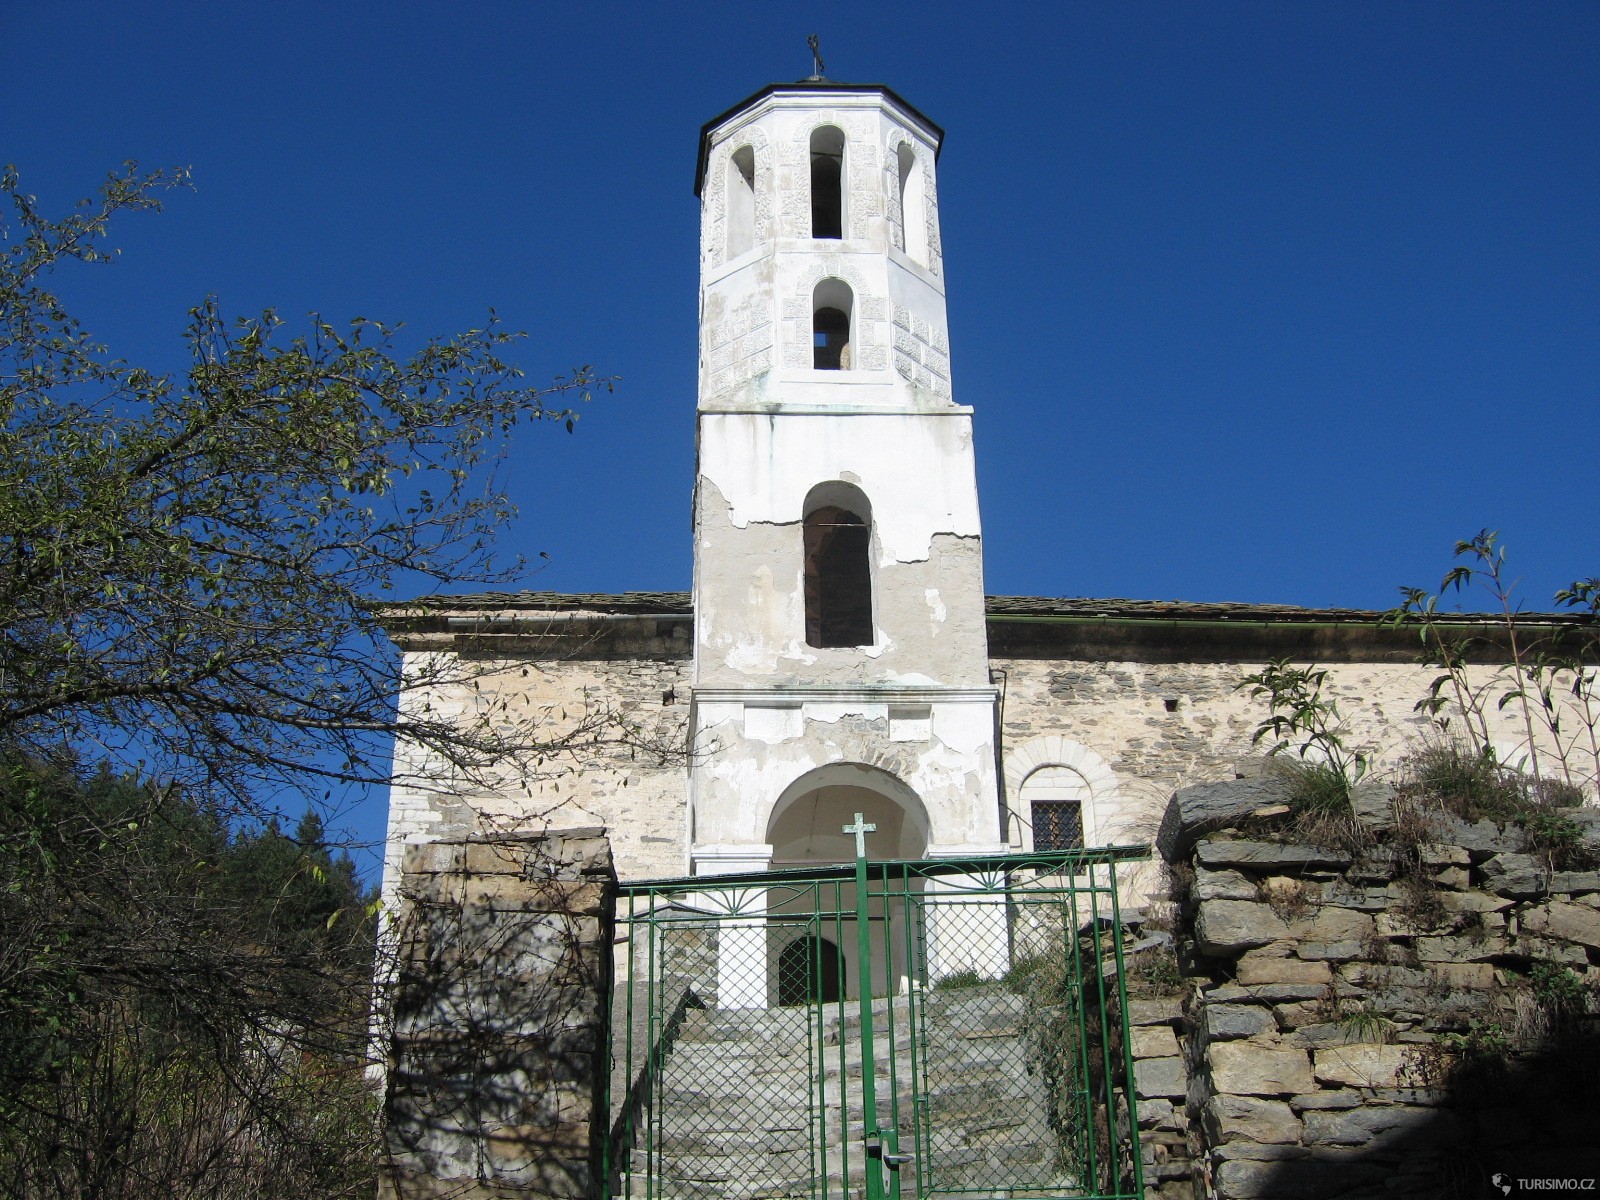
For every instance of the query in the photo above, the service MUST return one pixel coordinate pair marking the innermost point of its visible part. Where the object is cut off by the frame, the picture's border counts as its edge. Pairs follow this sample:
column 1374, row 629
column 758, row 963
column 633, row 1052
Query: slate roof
column 997, row 607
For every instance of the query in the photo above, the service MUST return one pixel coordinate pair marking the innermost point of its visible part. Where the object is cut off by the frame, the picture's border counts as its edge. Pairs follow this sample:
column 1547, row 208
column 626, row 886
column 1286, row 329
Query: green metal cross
column 861, row 829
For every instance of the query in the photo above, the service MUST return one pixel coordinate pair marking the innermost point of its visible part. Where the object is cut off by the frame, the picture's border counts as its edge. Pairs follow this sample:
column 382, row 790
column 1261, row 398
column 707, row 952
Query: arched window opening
column 741, row 201
column 1053, row 798
column 913, row 209
column 810, row 971
column 827, row 182
column 831, row 304
column 838, row 573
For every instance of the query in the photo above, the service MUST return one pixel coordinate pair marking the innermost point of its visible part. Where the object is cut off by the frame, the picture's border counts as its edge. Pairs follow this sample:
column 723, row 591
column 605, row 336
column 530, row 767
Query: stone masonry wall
column 618, row 731
column 496, row 1028
column 1410, row 1017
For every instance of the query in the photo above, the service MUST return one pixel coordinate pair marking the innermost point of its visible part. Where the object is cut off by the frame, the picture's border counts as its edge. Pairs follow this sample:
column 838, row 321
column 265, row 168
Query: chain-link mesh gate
column 993, row 1023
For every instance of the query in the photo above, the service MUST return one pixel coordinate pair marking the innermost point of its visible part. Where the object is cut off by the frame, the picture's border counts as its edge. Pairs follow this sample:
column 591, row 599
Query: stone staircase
column 740, row 1092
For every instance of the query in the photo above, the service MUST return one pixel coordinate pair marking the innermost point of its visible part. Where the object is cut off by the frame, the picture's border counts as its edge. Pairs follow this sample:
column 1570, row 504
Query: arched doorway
column 811, row 970
column 806, row 829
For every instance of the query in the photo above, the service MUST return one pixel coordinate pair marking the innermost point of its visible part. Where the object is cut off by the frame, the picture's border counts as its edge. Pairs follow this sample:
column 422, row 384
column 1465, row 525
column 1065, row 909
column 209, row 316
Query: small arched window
column 913, row 207
column 827, row 182
column 838, row 567
column 741, row 201
column 1053, row 799
column 832, row 303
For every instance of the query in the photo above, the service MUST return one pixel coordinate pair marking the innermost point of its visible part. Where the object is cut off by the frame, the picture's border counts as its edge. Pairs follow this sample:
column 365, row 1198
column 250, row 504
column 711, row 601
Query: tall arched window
column 913, row 208
column 838, row 567
column 827, row 182
column 832, row 303
column 741, row 201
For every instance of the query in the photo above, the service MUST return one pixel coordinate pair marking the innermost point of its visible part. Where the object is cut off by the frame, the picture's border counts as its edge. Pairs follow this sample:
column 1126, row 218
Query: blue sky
column 1254, row 302
column 1265, row 302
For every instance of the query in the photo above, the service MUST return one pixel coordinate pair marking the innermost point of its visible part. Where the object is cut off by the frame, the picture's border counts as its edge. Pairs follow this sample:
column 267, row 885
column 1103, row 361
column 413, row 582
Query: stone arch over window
column 837, row 532
column 1057, row 789
column 741, row 201
column 832, row 309
column 912, row 196
column 827, row 182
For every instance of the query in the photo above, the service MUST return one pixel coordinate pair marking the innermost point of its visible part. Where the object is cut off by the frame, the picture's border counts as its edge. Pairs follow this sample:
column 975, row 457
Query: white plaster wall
column 752, row 750
column 916, row 471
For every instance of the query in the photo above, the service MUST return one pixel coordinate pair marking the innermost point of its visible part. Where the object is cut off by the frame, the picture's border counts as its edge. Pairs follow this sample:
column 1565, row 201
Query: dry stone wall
column 1409, row 1014
column 496, row 1019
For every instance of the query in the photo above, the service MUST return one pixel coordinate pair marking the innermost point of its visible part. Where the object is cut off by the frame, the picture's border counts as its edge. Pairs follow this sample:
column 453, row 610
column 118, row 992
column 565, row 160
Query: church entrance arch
column 806, row 829
column 806, row 826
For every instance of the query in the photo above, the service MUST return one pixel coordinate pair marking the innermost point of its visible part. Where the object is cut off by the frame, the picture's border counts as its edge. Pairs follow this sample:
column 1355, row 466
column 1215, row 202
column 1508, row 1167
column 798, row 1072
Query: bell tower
column 840, row 648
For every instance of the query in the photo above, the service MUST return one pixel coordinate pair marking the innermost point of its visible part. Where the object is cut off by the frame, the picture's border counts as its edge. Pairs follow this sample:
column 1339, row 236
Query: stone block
column 1270, row 964
column 1155, row 1113
column 1196, row 810
column 1274, row 993
column 1332, row 924
column 1465, row 975
column 1164, row 1078
column 1362, row 1064
column 1570, row 922
column 1251, row 1069
column 1227, row 1118
column 1519, row 876
column 1330, row 951
column 1258, row 1151
column 1226, row 927
column 1472, row 902
column 1325, row 1100
column 1555, row 950
column 1153, row 1041
column 1575, row 883
column 1160, row 1011
column 1481, row 840
column 1376, row 1127
column 1303, row 1180
column 1442, row 854
column 1320, row 1035
column 1222, row 885
column 1372, row 802
column 1229, row 1022
column 1268, row 856
column 1462, row 949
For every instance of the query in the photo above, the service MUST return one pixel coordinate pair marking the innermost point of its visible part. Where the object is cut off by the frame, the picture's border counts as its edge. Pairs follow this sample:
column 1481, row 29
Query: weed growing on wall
column 1545, row 681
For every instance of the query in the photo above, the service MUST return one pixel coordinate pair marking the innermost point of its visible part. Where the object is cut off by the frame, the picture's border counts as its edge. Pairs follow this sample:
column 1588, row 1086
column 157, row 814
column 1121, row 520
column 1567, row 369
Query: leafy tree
column 189, row 571
column 188, row 564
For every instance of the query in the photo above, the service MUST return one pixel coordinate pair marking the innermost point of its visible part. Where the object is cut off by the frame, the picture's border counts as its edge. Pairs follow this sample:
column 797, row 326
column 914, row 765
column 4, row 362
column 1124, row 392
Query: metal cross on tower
column 816, row 56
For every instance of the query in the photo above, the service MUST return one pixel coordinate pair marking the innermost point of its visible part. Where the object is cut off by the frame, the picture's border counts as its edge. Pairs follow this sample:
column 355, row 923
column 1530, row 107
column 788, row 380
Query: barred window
column 1057, row 825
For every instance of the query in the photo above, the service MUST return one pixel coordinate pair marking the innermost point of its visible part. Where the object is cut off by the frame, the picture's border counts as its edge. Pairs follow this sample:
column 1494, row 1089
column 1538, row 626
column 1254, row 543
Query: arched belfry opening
column 837, row 531
column 741, row 201
column 832, row 307
column 827, row 182
column 913, row 207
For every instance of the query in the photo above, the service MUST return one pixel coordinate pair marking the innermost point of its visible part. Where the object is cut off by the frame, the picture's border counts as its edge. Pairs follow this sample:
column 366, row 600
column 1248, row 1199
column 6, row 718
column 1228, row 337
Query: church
column 838, row 654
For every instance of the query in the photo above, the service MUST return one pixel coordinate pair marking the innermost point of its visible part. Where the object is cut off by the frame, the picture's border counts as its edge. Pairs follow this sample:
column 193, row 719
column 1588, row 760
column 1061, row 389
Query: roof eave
column 808, row 85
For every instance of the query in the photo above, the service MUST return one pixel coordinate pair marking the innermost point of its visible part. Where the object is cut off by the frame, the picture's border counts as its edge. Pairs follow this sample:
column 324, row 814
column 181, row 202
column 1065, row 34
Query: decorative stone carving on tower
column 840, row 659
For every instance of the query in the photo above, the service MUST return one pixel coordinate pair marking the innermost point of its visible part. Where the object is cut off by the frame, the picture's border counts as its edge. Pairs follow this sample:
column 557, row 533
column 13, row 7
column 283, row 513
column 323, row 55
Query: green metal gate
column 895, row 1029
